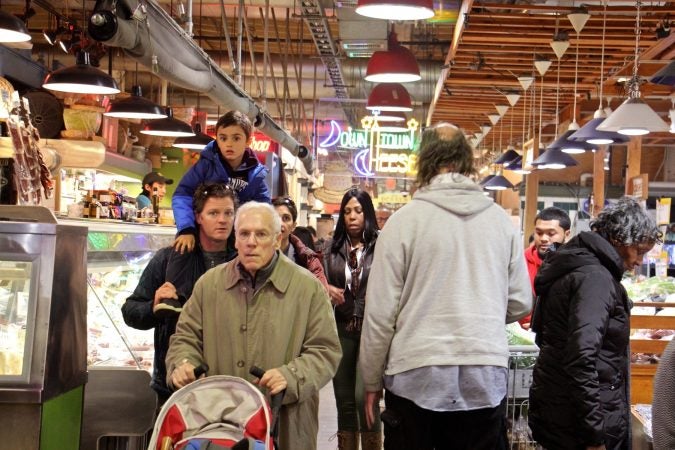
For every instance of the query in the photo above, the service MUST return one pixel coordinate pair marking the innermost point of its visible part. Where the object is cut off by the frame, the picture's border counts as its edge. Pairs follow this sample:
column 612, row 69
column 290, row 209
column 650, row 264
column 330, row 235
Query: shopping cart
column 521, row 364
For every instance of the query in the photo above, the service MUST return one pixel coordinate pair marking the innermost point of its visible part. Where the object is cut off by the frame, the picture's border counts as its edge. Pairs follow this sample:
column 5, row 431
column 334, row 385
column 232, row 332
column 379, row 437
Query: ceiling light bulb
column 396, row 9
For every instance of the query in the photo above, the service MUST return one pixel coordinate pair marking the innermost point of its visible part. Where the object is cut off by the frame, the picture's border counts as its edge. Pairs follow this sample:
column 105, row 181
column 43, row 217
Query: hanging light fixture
column 494, row 118
column 512, row 98
column 498, row 183
column 502, row 109
column 397, row 64
column 665, row 76
column 671, row 113
column 507, row 157
column 560, row 42
column 390, row 116
column 389, row 97
column 396, row 9
column 168, row 127
column 485, row 128
column 634, row 117
column 196, row 142
column 578, row 20
column 589, row 132
column 12, row 29
column 525, row 81
column 135, row 107
column 554, row 159
column 52, row 35
column 81, row 78
column 486, row 179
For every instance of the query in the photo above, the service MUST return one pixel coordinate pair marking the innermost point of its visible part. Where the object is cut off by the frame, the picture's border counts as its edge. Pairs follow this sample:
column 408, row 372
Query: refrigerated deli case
column 72, row 374
column 119, row 404
column 43, row 360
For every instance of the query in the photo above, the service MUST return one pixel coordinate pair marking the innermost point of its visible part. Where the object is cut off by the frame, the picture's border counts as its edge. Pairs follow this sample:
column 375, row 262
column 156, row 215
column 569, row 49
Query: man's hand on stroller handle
column 273, row 380
column 184, row 374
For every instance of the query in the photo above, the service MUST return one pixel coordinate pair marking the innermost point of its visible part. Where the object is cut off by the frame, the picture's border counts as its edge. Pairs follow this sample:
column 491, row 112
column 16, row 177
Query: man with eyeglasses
column 165, row 284
column 261, row 309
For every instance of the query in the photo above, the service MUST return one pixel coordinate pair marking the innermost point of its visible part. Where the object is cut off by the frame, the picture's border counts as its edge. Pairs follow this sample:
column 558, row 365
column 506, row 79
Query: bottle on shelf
column 155, row 204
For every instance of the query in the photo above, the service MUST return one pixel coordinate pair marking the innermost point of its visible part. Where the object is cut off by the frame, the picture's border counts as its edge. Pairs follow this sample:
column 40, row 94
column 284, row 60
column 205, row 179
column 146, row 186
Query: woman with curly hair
column 579, row 395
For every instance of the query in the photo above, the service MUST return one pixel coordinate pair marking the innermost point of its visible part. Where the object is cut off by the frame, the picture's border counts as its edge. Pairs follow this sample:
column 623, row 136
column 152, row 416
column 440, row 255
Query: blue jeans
column 348, row 386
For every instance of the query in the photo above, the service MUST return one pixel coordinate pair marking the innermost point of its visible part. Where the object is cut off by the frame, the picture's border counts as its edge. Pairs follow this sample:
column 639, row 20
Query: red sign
column 262, row 143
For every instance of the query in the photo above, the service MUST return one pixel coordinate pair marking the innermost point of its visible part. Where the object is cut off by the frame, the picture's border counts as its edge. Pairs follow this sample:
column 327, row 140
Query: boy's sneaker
column 168, row 307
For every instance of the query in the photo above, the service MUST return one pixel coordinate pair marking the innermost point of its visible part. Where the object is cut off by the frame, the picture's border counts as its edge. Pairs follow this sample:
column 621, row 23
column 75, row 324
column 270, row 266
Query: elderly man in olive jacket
column 261, row 309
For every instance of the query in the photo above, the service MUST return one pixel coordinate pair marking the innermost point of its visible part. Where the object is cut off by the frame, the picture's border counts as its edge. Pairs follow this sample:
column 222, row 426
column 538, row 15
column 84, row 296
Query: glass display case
column 117, row 254
column 42, row 329
column 17, row 298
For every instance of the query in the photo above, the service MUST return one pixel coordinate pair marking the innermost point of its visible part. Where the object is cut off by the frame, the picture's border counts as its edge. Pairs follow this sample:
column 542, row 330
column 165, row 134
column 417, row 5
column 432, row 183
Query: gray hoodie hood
column 455, row 193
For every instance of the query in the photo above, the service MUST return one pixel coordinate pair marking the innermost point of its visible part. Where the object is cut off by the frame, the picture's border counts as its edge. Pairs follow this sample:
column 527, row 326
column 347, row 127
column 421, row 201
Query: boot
column 347, row 440
column 371, row 440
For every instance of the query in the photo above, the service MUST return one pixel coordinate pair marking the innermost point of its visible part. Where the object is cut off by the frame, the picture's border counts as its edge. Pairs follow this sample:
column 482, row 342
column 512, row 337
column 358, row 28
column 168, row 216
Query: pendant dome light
column 396, row 9
column 135, row 107
column 589, row 132
column 389, row 97
column 553, row 158
column 665, row 76
column 507, row 157
column 390, row 116
column 12, row 29
column 498, row 183
column 81, row 78
column 397, row 64
column 167, row 127
column 634, row 117
column 196, row 142
column 578, row 19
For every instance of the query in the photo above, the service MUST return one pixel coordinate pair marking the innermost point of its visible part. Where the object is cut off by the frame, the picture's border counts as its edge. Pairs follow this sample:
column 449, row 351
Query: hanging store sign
column 380, row 150
column 262, row 143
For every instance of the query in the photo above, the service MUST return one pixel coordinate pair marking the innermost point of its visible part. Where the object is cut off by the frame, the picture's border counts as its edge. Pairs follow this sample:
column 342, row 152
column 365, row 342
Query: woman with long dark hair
column 347, row 260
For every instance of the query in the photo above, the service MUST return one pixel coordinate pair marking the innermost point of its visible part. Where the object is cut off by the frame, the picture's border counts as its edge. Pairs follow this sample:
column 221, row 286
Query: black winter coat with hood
column 579, row 395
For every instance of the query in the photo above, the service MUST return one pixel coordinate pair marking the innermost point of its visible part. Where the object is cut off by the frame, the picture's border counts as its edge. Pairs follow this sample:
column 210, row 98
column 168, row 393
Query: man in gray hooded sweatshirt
column 448, row 274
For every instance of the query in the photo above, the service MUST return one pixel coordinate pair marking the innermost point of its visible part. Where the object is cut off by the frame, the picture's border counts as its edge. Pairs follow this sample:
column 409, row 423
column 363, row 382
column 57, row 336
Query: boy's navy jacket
column 210, row 168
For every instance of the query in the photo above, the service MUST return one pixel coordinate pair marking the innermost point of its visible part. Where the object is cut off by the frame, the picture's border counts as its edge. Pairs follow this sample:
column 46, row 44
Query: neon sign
column 374, row 141
column 373, row 159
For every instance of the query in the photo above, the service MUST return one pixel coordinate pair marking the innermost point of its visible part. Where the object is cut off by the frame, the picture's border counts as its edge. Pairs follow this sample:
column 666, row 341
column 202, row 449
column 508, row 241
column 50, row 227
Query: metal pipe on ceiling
column 151, row 37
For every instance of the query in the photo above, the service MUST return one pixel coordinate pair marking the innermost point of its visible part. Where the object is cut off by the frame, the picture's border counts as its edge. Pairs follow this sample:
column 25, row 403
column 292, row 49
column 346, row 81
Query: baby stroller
column 218, row 412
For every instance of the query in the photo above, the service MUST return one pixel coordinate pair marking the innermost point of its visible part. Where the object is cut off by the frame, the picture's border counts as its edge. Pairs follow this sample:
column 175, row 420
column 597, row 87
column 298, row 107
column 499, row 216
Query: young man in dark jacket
column 164, row 285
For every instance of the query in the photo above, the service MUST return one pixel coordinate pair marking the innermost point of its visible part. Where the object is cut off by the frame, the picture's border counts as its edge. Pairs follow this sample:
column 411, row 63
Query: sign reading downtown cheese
column 379, row 149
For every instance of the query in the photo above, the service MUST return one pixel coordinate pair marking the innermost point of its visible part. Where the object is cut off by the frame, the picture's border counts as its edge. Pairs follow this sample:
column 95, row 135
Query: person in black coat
column 579, row 395
column 172, row 276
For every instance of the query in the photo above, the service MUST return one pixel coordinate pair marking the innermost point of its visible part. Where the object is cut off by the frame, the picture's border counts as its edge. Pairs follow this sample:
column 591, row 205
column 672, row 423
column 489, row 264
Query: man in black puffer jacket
column 579, row 396
column 215, row 206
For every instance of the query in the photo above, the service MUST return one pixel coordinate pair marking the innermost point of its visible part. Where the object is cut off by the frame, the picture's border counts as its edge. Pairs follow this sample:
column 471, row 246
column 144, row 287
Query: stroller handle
column 201, row 370
column 275, row 402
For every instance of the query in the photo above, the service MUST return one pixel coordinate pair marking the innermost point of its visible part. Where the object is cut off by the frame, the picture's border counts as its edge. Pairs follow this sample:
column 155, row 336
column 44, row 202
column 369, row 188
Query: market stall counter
column 42, row 329
column 117, row 415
